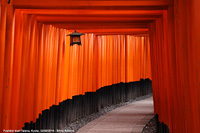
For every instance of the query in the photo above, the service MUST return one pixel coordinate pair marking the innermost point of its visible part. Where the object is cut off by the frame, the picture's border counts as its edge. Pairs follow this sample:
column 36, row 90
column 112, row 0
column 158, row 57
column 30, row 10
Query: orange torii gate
column 35, row 57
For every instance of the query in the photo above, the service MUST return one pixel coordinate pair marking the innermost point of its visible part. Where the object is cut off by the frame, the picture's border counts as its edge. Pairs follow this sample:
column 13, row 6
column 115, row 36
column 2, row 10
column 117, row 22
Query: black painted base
column 70, row 110
column 161, row 127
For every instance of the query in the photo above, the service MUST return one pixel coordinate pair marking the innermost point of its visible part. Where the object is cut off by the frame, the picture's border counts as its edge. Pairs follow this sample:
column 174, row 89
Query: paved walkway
column 130, row 118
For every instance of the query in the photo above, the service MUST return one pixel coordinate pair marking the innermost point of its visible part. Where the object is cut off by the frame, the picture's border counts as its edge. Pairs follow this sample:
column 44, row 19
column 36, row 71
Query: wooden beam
column 163, row 7
column 55, row 18
column 90, row 12
column 118, row 31
column 97, row 25
column 63, row 4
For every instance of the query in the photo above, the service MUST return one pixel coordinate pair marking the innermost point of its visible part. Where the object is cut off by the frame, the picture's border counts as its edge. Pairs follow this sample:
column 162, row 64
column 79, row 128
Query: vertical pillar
column 2, row 50
column 8, row 62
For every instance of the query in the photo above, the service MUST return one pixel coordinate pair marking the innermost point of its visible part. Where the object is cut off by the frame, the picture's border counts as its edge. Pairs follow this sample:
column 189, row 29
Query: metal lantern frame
column 73, row 36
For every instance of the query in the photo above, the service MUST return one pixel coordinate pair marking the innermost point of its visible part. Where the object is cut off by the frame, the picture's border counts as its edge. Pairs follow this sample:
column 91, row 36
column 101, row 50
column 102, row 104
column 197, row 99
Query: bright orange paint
column 46, row 70
column 175, row 73
column 38, row 68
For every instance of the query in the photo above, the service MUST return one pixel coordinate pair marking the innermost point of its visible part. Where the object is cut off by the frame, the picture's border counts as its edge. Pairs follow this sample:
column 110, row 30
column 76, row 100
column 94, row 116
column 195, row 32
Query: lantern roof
column 75, row 34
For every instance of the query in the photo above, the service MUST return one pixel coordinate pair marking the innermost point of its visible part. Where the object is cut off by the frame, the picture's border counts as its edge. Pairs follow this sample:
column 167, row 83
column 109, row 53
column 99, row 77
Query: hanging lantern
column 75, row 38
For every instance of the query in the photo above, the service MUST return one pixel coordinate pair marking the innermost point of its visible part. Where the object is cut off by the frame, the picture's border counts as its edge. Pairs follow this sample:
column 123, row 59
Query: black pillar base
column 161, row 127
column 70, row 110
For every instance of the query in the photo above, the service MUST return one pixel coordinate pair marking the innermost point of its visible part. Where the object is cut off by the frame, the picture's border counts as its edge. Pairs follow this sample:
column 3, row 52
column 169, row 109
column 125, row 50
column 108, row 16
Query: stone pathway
column 130, row 118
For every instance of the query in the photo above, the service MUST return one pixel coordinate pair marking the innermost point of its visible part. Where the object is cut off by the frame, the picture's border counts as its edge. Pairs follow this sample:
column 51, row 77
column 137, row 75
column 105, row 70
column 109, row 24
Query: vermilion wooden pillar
column 174, row 67
column 2, row 50
column 7, row 10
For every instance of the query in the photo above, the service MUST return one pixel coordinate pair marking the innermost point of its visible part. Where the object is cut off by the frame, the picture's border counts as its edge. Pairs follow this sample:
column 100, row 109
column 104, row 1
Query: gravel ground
column 150, row 126
column 81, row 122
